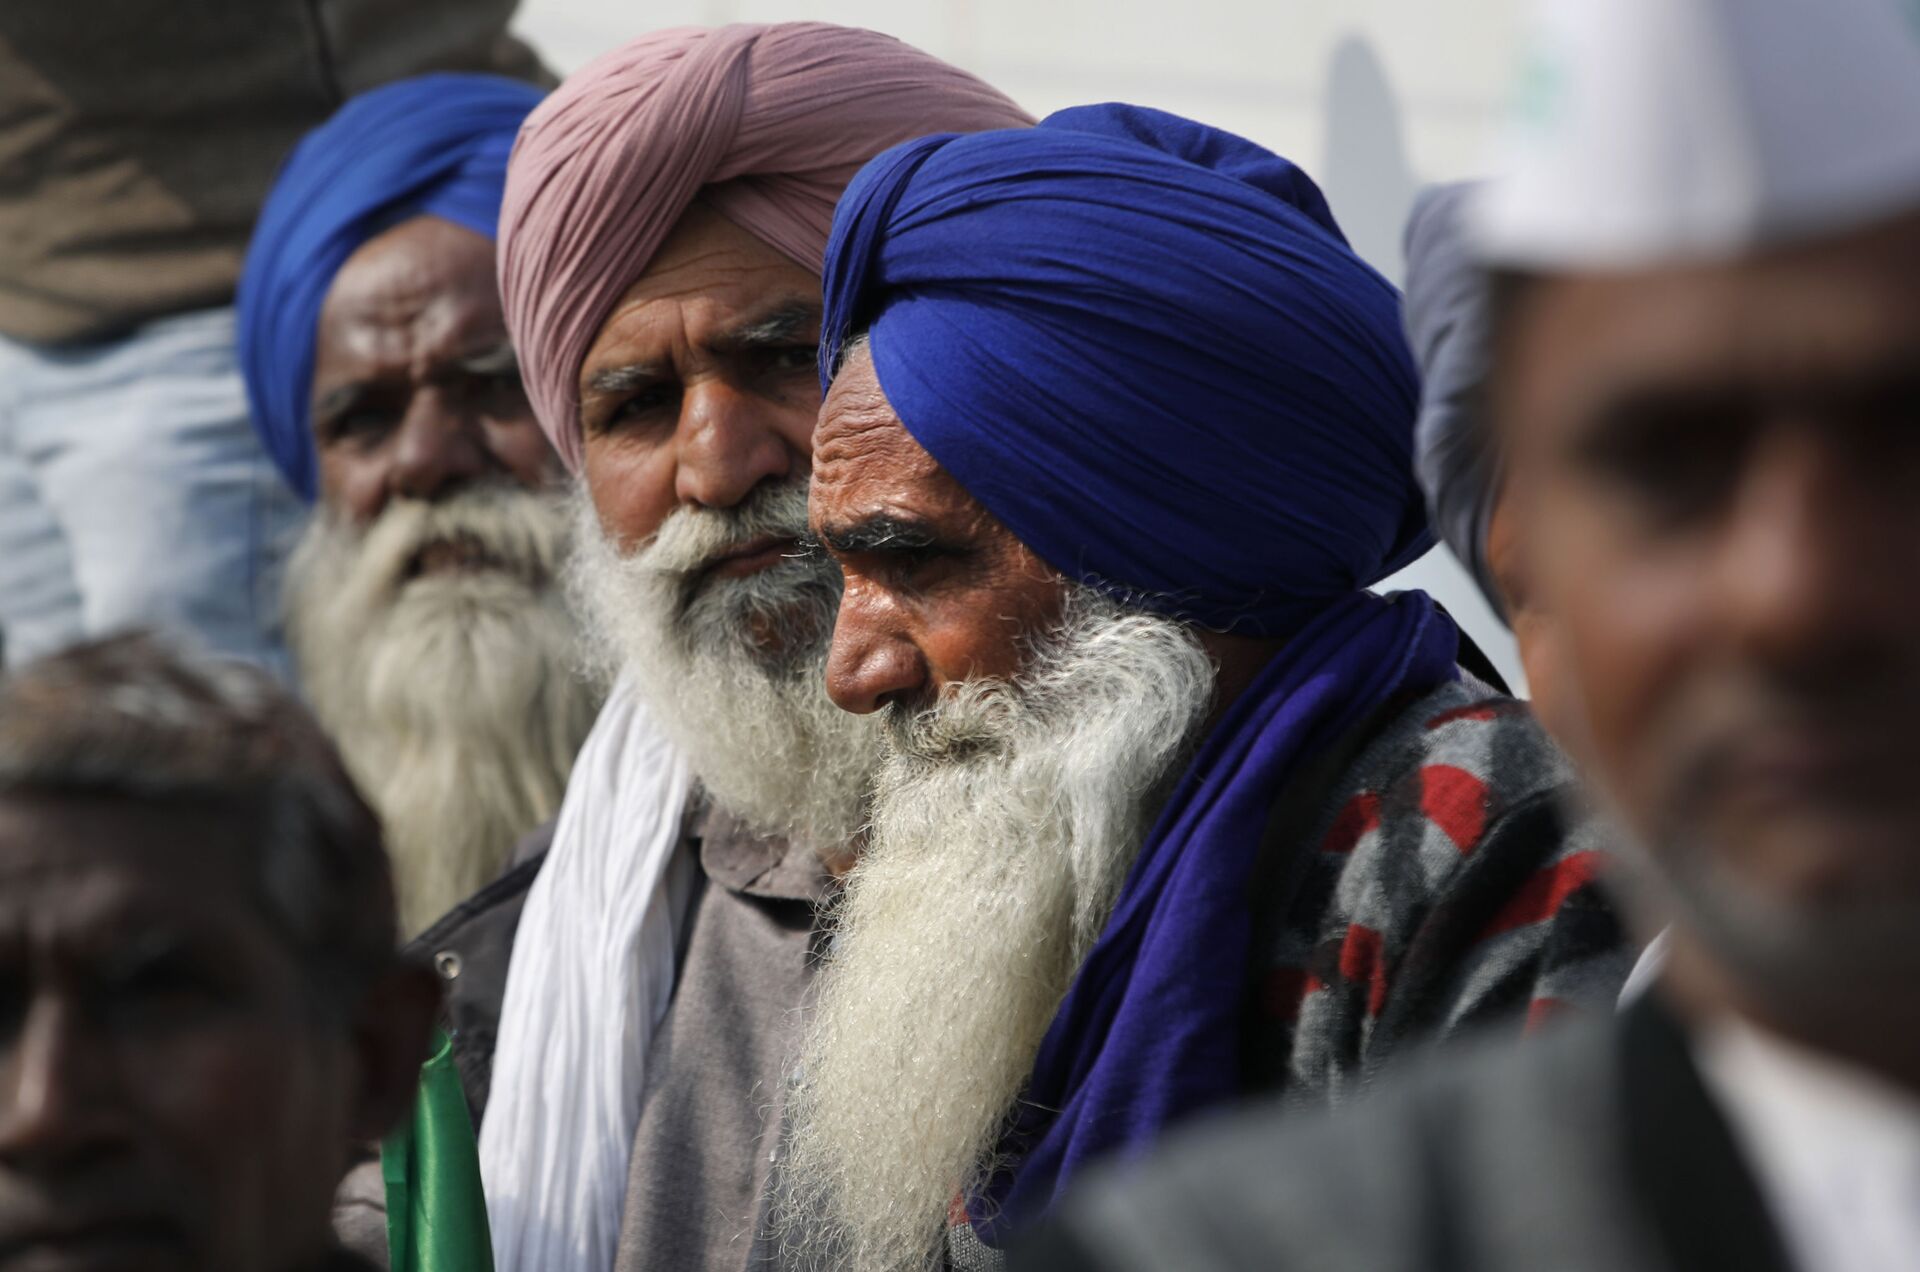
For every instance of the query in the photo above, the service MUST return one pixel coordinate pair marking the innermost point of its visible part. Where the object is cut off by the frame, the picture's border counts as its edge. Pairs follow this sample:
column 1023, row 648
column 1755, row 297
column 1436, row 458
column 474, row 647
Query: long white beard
column 457, row 698
column 734, row 669
column 1005, row 819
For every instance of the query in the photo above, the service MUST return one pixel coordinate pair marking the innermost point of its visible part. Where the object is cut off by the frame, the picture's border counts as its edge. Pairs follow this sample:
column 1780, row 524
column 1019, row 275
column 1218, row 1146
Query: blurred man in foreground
column 425, row 606
column 1174, row 809
column 200, row 1003
column 1706, row 387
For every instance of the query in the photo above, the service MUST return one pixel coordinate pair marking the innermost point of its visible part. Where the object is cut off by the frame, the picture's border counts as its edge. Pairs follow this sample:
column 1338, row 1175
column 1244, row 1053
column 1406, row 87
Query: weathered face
column 702, row 384
column 416, row 391
column 170, row 1098
column 1714, row 475
column 937, row 590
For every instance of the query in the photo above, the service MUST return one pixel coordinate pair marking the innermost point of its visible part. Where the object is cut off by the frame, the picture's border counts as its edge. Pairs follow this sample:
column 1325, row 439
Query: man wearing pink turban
column 665, row 219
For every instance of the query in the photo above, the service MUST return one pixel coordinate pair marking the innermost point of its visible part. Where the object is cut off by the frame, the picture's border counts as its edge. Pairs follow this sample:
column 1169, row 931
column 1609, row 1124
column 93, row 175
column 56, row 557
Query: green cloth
column 436, row 1210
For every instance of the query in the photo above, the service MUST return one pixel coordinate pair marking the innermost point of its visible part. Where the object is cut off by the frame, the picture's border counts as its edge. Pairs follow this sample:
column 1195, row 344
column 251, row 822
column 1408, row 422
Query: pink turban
column 766, row 123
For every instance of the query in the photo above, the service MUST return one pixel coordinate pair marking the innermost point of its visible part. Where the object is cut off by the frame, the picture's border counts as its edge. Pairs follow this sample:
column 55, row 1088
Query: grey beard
column 734, row 669
column 457, row 699
column 1005, row 820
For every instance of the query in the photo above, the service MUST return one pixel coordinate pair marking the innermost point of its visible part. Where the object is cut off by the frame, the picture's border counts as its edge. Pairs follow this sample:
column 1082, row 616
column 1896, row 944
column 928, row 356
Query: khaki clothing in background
column 138, row 138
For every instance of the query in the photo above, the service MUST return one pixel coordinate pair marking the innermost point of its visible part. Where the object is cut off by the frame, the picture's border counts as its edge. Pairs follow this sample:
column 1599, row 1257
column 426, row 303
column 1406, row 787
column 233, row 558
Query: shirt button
column 447, row 963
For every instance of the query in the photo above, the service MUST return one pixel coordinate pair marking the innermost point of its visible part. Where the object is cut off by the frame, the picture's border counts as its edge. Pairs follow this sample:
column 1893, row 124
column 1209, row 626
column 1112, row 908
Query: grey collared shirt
column 718, row 1067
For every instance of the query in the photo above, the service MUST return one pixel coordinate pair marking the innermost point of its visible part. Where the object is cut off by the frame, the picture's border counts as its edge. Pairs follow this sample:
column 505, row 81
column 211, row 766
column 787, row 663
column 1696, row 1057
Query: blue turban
column 1146, row 347
column 432, row 145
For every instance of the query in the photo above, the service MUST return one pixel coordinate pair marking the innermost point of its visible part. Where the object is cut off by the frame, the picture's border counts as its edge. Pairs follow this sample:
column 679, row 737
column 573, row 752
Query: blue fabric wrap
column 434, row 145
column 1150, row 1032
column 1115, row 326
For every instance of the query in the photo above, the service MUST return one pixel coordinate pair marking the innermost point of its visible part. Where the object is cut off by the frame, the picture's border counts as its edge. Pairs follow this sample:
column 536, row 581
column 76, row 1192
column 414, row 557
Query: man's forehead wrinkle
column 442, row 332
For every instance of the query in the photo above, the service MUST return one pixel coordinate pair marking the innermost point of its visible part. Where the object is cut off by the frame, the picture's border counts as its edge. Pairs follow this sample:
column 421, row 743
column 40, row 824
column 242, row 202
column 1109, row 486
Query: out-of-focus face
column 170, row 1095
column 1715, row 475
column 938, row 591
column 416, row 390
column 424, row 601
column 702, row 384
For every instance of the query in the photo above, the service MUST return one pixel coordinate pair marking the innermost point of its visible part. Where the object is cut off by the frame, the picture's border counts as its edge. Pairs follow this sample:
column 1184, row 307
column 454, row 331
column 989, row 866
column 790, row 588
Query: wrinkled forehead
column 423, row 283
column 709, row 281
column 864, row 457
column 1815, row 321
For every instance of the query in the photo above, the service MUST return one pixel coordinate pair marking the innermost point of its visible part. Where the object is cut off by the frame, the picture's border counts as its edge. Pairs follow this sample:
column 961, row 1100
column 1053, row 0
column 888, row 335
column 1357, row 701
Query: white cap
column 1652, row 132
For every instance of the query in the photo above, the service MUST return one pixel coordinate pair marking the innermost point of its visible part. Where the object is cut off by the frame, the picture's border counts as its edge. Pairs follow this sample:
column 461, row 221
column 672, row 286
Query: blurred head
column 1712, row 476
column 416, row 389
column 661, row 239
column 1448, row 312
column 201, row 1009
column 424, row 600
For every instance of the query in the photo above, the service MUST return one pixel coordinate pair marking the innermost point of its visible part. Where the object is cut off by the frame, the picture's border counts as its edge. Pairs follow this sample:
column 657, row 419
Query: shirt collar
column 742, row 860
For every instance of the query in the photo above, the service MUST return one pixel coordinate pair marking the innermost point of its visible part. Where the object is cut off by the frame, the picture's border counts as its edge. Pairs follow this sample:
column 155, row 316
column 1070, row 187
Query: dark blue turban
column 432, row 145
column 1146, row 347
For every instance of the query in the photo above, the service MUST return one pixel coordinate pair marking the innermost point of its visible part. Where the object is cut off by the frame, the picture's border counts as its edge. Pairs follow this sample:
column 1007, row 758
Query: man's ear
column 390, row 1035
column 1504, row 555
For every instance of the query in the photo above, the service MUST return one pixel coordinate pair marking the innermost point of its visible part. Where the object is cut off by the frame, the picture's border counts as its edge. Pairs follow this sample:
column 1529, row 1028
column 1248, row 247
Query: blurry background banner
column 1374, row 98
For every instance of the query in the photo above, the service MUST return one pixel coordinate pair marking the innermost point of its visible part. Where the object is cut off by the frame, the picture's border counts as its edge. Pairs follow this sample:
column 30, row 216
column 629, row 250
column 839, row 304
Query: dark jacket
column 1597, row 1149
column 470, row 948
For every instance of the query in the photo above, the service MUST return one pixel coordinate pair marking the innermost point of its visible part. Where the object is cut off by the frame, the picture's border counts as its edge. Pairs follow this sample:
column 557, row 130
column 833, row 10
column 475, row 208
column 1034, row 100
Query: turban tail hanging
column 1145, row 346
column 764, row 123
column 434, row 145
column 1113, row 326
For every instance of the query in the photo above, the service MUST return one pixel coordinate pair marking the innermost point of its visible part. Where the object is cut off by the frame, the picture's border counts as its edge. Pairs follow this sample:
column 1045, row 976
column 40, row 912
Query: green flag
column 436, row 1211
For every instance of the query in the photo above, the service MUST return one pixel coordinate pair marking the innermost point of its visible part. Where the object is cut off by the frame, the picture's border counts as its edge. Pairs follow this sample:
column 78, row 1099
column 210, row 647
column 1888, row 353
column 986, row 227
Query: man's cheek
column 231, row 1086
column 631, row 488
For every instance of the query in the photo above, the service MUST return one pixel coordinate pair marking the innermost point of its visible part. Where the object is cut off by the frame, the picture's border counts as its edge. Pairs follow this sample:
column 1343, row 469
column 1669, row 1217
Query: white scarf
column 590, row 978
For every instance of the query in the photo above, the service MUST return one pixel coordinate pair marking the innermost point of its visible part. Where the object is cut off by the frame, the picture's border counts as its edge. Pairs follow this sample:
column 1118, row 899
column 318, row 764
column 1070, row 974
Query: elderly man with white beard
column 1174, row 810
column 424, row 603
column 661, row 235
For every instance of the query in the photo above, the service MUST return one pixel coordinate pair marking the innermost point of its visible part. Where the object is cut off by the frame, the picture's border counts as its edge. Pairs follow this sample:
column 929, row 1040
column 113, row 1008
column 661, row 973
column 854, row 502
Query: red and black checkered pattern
column 1453, row 884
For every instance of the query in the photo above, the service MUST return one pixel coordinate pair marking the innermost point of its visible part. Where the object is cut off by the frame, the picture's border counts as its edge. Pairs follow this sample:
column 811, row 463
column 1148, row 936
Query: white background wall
column 1374, row 97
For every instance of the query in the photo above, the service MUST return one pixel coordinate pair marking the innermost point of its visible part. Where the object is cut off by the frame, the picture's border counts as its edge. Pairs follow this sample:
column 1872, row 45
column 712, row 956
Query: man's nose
column 871, row 662
column 53, row 1109
column 436, row 451
column 1816, row 565
column 729, row 442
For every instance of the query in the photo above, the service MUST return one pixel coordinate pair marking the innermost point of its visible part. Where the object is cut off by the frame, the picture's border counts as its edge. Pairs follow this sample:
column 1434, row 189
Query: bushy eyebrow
column 635, row 375
column 878, row 533
column 501, row 360
column 782, row 325
column 494, row 360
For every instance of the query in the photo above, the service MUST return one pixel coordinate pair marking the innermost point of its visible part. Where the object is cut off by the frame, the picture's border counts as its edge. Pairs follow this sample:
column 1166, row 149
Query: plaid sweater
column 1450, row 886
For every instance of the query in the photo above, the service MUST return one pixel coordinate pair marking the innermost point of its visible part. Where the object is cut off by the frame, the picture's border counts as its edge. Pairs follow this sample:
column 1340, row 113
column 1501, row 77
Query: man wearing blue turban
column 1119, row 433
column 424, row 606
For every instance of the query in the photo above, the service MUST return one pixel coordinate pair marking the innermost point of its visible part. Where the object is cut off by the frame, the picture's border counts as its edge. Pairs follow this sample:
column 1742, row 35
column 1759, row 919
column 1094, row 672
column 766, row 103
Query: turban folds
column 433, row 145
column 1449, row 322
column 765, row 123
column 1146, row 347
